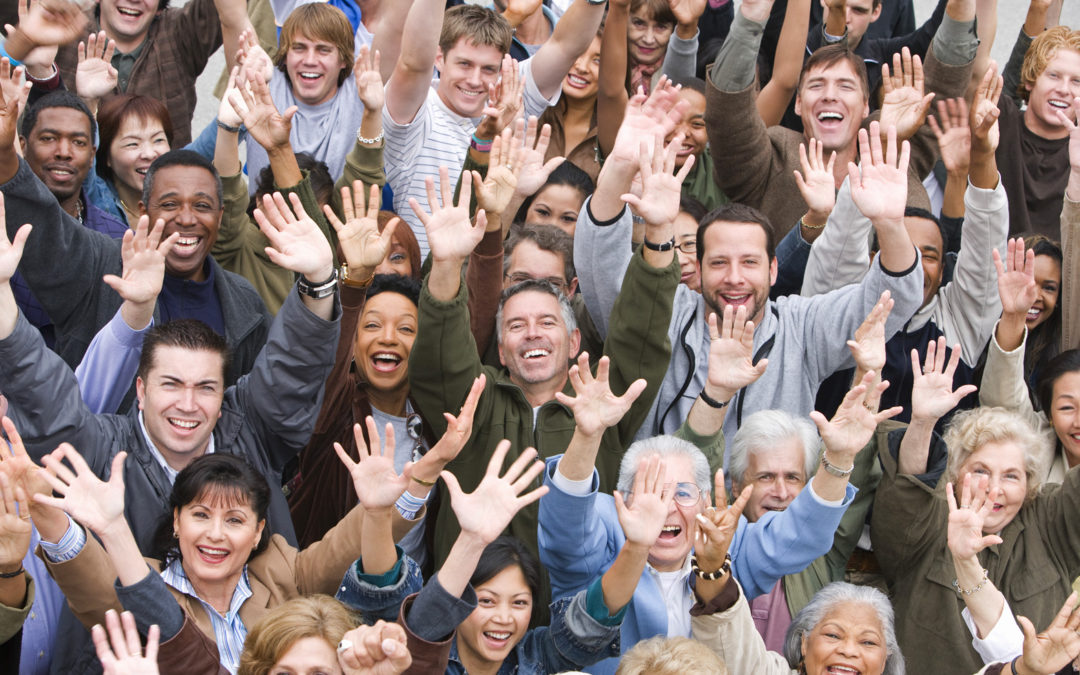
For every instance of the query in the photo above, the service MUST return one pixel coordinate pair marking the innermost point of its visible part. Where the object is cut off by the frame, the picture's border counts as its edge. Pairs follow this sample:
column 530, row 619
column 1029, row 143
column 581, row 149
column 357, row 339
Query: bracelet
column 712, row 402
column 42, row 79
column 666, row 246
column 971, row 591
column 320, row 290
column 833, row 469
column 368, row 141
column 3, row 54
column 12, row 575
column 343, row 275
column 803, row 223
column 228, row 127
column 725, row 569
column 1012, row 666
column 425, row 483
column 480, row 145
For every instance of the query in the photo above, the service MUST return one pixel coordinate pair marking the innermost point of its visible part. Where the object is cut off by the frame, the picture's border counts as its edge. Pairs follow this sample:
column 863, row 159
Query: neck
column 475, row 666
column 126, row 45
column 579, row 109
column 535, row 29
column 73, row 205
column 369, row 13
column 541, row 392
column 1037, row 127
column 129, row 201
column 217, row 594
column 843, row 156
column 389, row 402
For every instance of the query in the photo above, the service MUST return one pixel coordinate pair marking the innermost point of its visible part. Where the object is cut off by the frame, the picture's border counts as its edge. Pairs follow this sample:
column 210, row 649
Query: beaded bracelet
column 481, row 145
column 971, row 591
column 715, row 574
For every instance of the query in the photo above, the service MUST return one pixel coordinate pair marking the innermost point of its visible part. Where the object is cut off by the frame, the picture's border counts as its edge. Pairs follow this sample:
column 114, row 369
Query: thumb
column 114, row 282
column 452, row 486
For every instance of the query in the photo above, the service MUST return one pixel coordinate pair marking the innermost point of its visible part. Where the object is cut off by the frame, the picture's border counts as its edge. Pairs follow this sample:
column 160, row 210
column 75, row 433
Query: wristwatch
column 320, row 290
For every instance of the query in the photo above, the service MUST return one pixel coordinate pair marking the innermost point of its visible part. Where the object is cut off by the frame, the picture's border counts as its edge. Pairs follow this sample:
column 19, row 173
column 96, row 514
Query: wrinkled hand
column 647, row 119
column 488, row 510
column 296, row 242
column 143, row 254
column 458, row 431
column 953, row 135
column 717, row 525
column 904, row 105
column 380, row 649
column 14, row 523
column 361, row 242
column 853, row 425
column 95, row 76
column 377, row 484
column 932, row 395
column 879, row 185
column 451, row 234
column 369, row 84
column 10, row 252
column 264, row 123
column 83, row 496
column 966, row 538
column 1051, row 650
column 816, row 182
column 731, row 354
column 661, row 190
column 985, row 133
column 534, row 170
column 124, row 656
column 868, row 347
column 1016, row 278
column 495, row 191
column 643, row 518
column 595, row 406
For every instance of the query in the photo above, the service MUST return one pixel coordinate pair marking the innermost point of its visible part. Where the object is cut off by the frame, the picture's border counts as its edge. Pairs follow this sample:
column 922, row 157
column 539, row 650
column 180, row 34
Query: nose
column 388, row 334
column 186, row 402
column 783, row 490
column 581, row 65
column 63, row 149
column 216, row 531
column 734, row 275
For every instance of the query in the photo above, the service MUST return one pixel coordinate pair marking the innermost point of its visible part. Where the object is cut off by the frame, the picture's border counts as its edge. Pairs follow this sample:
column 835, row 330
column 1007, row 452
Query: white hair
column 763, row 432
column 665, row 446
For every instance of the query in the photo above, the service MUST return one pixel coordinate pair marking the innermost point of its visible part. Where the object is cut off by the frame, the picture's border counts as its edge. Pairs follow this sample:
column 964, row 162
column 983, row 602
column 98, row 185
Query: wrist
column 816, row 219
column 720, row 394
column 379, row 512
column 637, row 548
column 12, row 568
column 686, row 31
column 320, row 275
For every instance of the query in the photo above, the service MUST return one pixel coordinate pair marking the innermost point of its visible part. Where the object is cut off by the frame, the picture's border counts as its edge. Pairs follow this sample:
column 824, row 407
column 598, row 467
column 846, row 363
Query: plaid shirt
column 177, row 47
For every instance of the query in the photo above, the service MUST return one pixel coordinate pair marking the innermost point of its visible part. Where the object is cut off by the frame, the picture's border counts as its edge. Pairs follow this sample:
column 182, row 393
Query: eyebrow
column 60, row 132
column 178, row 380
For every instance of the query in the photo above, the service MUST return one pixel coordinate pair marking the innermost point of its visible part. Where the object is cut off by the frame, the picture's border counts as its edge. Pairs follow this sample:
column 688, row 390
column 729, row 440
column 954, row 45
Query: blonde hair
column 1042, row 51
column 969, row 430
column 318, row 616
column 478, row 25
column 318, row 21
column 671, row 656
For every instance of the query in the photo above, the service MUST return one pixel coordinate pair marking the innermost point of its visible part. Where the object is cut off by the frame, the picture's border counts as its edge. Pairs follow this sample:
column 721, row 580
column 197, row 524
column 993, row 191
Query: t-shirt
column 1034, row 171
column 436, row 137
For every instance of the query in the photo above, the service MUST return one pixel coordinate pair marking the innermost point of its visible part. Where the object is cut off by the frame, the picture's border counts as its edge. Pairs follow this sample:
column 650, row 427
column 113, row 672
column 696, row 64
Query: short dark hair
column 395, row 283
column 692, row 207
column 692, row 83
column 189, row 334
column 180, row 158
column 829, row 55
column 1064, row 363
column 658, row 10
column 737, row 213
column 55, row 99
column 568, row 174
column 504, row 552
column 322, row 183
column 220, row 475
column 115, row 110
column 547, row 238
column 917, row 212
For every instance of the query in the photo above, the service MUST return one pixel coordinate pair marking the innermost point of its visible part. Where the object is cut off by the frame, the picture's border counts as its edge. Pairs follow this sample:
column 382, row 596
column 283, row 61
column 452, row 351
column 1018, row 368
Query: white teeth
column 63, row 172
column 497, row 635
column 1059, row 104
column 213, row 551
column 392, row 358
column 830, row 116
column 184, row 424
column 672, row 528
column 577, row 81
column 187, row 241
column 141, row 172
column 310, row 76
column 536, row 352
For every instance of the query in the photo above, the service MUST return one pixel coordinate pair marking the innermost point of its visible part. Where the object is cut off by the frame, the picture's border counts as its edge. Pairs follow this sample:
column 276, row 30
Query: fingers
column 719, row 490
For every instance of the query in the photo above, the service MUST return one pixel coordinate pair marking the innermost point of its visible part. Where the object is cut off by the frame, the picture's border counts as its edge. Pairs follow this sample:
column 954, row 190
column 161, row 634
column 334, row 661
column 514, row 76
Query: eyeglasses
column 689, row 247
column 414, row 425
column 686, row 494
column 519, row 277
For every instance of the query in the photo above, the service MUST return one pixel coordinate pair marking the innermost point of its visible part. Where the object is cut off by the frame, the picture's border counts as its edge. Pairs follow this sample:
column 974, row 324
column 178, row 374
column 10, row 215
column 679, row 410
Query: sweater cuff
column 381, row 580
column 906, row 272
column 723, row 601
column 598, row 610
column 150, row 602
column 603, row 223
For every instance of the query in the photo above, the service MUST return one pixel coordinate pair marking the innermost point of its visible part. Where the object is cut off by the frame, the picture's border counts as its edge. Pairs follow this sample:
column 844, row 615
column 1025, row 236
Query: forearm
column 787, row 63
column 983, row 171
column 955, row 186
column 1072, row 188
column 915, row 447
column 234, row 21
column 580, row 458
column 835, row 20
column 423, row 25
column 284, row 167
column 371, row 127
column 896, row 253
column 13, row 590
column 1035, row 21
column 827, row 486
column 460, row 564
column 444, row 280
column 571, row 37
column 227, row 152
column 611, row 96
column 984, row 604
column 736, row 62
column 377, row 542
column 621, row 579
column 388, row 34
column 124, row 553
column 1010, row 331
column 705, row 419
column 9, row 311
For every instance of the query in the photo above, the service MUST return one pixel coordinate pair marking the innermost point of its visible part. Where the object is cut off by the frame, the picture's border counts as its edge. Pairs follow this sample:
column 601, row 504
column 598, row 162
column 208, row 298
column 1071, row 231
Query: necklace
column 131, row 214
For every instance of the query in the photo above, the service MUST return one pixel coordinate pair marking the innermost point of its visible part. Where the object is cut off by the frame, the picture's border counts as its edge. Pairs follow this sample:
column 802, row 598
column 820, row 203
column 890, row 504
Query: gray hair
column 547, row 238
column 542, row 286
column 969, row 430
column 824, row 601
column 665, row 446
column 765, row 430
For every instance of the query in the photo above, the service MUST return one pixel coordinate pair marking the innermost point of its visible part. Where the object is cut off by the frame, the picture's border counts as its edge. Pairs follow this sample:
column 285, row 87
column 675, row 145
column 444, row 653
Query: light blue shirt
column 229, row 630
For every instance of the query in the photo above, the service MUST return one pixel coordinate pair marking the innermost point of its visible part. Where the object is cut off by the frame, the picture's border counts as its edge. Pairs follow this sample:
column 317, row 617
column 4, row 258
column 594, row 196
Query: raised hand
column 1048, row 652
column 687, row 12
column 48, row 23
column 451, row 234
column 487, row 511
column 124, row 655
column 252, row 59
column 932, row 395
column 868, row 347
column 505, row 100
column 83, row 496
column 363, row 246
column 661, row 189
column 13, row 84
column 731, row 354
column 10, row 252
column 717, row 525
column 953, row 135
column 369, row 84
column 756, row 10
column 14, row 524
column 853, row 425
column 458, row 431
column 879, row 185
column 17, row 465
column 519, row 10
column 642, row 513
column 39, row 61
column 232, row 108
column 377, row 484
column 264, row 123
column 816, row 182
column 1073, row 127
column 647, row 119
column 985, row 134
column 966, row 538
column 380, row 649
column 143, row 254
column 296, row 242
column 904, row 105
column 1016, row 278
column 95, row 76
column 594, row 405
column 534, row 170
column 495, row 191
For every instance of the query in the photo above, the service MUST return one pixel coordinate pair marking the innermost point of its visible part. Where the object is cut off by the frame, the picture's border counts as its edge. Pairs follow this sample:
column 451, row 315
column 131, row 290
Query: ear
column 258, row 533
column 773, row 269
column 877, row 12
column 22, row 145
column 502, row 357
column 798, row 105
column 140, row 390
column 572, row 287
column 176, row 520
column 439, row 56
column 142, row 208
column 575, row 343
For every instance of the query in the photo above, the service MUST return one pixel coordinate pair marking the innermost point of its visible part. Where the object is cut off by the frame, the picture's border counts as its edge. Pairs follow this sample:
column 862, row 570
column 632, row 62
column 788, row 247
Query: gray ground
column 1010, row 17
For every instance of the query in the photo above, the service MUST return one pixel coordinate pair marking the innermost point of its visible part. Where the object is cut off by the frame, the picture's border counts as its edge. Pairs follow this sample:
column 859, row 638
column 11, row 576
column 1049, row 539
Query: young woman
column 134, row 131
column 559, row 200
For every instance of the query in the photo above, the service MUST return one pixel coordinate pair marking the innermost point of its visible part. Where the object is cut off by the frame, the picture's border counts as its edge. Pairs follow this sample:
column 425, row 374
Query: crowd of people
column 645, row 337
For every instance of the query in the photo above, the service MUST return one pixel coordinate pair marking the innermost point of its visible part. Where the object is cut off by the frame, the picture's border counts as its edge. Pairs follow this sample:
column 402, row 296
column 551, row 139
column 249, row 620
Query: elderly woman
column 1039, row 530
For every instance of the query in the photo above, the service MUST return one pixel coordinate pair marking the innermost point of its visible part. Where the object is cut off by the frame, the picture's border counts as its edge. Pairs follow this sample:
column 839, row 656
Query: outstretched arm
column 568, row 41
column 774, row 97
column 408, row 84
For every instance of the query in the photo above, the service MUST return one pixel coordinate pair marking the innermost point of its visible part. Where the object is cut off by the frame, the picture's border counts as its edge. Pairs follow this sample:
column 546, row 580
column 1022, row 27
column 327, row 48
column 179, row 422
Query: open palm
column 377, row 484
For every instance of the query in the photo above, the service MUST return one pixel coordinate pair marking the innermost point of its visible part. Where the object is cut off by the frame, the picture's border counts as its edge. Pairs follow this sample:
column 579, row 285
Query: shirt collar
column 170, row 472
column 175, row 577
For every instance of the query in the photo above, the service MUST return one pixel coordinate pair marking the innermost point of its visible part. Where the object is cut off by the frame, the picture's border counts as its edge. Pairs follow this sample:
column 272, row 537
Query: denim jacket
column 574, row 639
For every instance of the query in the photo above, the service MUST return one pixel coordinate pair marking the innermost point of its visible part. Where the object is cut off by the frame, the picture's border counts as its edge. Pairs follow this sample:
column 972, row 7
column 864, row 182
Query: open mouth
column 1033, row 314
column 576, row 82
column 61, row 173
column 186, row 246
column 842, row 670
column 183, row 425
column 830, row 119
column 472, row 93
column 1059, row 104
column 386, row 362
column 211, row 555
column 497, row 639
column 310, row 77
column 536, row 353
column 670, row 532
column 736, row 300
column 133, row 13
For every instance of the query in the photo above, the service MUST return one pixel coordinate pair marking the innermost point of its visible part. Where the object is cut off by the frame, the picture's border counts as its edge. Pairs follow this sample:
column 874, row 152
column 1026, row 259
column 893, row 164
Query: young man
column 700, row 183
column 430, row 126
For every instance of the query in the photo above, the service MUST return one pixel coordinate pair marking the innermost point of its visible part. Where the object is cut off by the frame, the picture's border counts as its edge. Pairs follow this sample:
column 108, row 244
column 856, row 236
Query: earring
column 175, row 534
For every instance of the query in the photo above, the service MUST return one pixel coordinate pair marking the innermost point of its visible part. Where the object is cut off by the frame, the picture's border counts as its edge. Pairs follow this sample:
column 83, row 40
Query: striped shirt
column 229, row 630
column 436, row 137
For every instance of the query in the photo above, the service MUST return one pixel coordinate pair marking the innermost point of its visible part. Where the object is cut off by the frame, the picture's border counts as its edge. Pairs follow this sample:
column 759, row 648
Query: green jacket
column 444, row 362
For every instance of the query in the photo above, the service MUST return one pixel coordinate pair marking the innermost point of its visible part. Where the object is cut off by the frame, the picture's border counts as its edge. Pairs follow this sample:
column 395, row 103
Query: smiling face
column 778, row 474
column 314, row 67
column 534, row 345
column 556, row 205
column 465, row 72
column 216, row 535
column 500, row 620
column 647, row 38
column 186, row 198
column 1065, row 414
column 1002, row 462
column 735, row 268
column 308, row 656
column 832, row 105
column 1054, row 89
column 60, row 150
column 677, row 538
column 849, row 640
column 384, row 340
column 1048, row 289
column 127, row 20
column 137, row 144
column 583, row 80
column 926, row 236
column 686, row 236
column 692, row 126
